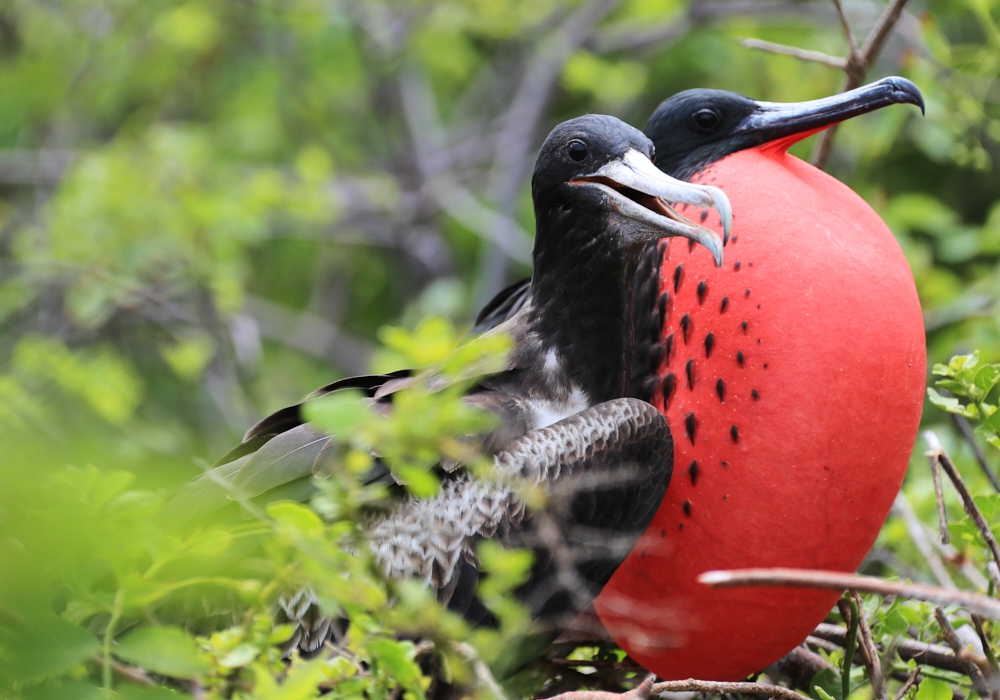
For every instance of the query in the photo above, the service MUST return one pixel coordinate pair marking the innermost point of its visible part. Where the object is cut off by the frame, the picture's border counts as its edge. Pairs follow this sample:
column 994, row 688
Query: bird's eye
column 577, row 150
column 705, row 119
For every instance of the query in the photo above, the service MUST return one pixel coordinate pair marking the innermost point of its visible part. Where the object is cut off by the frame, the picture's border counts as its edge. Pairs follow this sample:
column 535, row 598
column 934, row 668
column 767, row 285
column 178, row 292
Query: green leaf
column 339, row 413
column 948, row 403
column 295, row 516
column 420, row 482
column 933, row 689
column 396, row 658
column 42, row 646
column 165, row 650
column 826, row 685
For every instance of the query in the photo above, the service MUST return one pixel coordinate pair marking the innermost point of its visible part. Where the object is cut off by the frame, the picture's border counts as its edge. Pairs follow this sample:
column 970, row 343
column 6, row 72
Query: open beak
column 775, row 120
column 640, row 191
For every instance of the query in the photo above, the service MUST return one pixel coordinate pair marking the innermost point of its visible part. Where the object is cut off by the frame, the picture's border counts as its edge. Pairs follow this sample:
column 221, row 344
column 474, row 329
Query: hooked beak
column 776, row 120
column 639, row 190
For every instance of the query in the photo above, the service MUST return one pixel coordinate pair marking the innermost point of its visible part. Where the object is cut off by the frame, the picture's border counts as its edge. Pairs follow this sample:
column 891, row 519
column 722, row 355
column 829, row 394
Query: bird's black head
column 696, row 128
column 594, row 182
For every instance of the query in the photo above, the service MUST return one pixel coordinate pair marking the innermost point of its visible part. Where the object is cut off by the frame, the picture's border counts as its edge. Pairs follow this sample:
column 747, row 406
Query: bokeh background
column 210, row 207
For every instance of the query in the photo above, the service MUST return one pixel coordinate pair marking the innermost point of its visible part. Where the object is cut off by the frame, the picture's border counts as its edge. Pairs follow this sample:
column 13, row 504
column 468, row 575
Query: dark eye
column 705, row 119
column 577, row 150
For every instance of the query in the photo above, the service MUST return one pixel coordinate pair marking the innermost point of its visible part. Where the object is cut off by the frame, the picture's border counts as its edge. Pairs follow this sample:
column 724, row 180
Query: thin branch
column 718, row 688
column 484, row 676
column 933, row 655
column 846, row 26
column 943, row 535
column 870, row 653
column 970, row 505
column 970, row 437
column 916, row 530
column 803, row 54
column 512, row 145
column 838, row 581
column 972, row 661
column 858, row 65
column 907, row 685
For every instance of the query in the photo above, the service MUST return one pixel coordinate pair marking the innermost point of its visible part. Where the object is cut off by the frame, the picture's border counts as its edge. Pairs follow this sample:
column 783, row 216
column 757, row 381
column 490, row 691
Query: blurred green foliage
column 209, row 207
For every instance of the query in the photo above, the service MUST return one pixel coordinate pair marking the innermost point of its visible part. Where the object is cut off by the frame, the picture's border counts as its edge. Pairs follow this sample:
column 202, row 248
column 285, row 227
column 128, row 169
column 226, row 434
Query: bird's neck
column 581, row 307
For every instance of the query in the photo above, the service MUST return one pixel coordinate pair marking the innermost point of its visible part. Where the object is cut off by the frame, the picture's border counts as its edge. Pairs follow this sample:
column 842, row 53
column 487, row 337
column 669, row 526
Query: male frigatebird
column 793, row 377
column 564, row 420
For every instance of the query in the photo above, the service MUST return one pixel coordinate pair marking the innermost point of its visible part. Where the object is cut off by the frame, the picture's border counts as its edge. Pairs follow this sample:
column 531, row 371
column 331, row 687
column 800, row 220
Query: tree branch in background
column 970, row 437
column 838, row 581
column 869, row 654
column 935, row 464
column 718, row 688
column 916, row 530
column 856, row 65
column 512, row 144
column 938, row 454
column 802, row 54
column 973, row 662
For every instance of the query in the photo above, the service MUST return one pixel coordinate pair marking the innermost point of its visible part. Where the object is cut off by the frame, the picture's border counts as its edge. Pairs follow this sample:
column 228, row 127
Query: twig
column 484, row 676
column 972, row 661
column 916, row 529
column 640, row 692
column 970, row 437
column 719, row 688
column 131, row 673
column 852, row 43
column 803, row 54
column 970, row 505
column 943, row 535
column 908, row 684
column 933, row 655
column 858, row 64
column 870, row 655
column 838, row 581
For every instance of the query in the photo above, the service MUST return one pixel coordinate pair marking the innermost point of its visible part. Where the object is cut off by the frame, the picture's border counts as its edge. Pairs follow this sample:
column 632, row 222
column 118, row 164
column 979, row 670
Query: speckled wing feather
column 606, row 470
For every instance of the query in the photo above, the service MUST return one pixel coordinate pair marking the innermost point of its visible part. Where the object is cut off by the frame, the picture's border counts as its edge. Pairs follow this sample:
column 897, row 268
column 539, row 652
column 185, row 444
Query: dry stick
column 831, row 637
column 907, row 685
column 970, row 505
column 870, row 656
column 970, row 437
column 717, row 688
column 858, row 64
column 972, row 660
column 803, row 54
column 943, row 534
column 916, row 529
column 839, row 581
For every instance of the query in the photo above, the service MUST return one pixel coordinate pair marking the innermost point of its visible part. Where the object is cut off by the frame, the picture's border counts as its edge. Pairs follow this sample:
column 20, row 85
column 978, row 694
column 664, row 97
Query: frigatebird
column 793, row 378
column 564, row 420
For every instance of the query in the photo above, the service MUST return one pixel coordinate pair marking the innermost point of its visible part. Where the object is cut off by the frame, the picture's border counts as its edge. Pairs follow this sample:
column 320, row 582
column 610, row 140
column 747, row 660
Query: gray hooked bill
column 640, row 191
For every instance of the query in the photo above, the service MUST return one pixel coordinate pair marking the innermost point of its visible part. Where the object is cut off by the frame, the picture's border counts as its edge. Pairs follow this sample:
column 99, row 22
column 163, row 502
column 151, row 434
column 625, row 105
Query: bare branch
column 512, row 145
column 916, row 530
column 718, row 688
column 973, row 662
column 869, row 652
column 803, row 54
column 839, row 581
column 310, row 333
column 938, row 453
column 943, row 534
column 858, row 65
column 970, row 438
column 908, row 684
column 852, row 43
column 933, row 655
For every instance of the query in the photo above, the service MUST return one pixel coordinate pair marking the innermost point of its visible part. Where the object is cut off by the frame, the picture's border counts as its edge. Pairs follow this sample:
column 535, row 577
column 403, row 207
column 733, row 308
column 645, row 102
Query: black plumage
column 563, row 418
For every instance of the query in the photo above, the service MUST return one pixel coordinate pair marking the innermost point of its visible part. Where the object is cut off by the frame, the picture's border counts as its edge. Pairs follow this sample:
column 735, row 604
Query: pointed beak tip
column 905, row 91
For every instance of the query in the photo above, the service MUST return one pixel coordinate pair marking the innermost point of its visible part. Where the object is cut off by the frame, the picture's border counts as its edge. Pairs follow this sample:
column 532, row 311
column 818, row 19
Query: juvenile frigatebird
column 794, row 378
column 564, row 420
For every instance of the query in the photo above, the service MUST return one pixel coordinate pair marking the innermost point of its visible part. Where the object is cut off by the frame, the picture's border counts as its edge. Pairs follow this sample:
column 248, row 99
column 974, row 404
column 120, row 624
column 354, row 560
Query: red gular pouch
column 798, row 380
